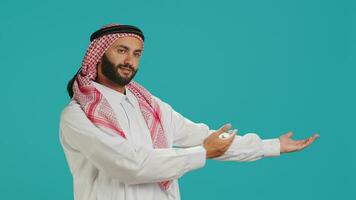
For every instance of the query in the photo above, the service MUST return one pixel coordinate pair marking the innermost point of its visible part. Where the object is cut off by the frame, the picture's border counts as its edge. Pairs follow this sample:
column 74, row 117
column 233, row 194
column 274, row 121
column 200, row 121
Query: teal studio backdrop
column 264, row 66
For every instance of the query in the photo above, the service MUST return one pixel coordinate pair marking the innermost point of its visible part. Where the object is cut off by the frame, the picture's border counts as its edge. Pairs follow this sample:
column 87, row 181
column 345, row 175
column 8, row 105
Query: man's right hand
column 215, row 146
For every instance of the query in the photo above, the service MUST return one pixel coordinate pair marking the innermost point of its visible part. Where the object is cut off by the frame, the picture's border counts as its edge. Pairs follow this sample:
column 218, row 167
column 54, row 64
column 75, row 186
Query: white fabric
column 107, row 167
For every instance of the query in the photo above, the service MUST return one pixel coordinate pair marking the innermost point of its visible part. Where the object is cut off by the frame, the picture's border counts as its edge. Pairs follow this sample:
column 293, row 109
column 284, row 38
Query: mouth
column 125, row 70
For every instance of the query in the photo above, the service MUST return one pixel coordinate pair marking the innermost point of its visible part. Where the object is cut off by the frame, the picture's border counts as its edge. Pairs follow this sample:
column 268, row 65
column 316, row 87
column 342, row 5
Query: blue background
column 264, row 66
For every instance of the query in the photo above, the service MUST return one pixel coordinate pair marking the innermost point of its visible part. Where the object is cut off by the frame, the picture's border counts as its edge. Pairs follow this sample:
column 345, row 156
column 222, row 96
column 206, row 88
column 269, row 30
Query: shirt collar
column 113, row 95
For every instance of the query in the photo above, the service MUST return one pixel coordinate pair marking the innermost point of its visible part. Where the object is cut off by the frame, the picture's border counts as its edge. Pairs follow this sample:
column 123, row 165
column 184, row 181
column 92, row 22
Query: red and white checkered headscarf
column 97, row 108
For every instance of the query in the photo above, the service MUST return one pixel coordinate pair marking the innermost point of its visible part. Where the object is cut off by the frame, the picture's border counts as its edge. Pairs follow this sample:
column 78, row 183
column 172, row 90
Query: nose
column 128, row 60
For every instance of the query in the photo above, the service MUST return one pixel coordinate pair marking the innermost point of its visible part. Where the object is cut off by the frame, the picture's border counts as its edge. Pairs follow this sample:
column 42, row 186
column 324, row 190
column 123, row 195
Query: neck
column 111, row 85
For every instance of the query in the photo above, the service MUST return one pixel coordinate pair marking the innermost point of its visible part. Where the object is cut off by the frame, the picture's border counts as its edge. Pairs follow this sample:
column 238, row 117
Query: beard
column 110, row 71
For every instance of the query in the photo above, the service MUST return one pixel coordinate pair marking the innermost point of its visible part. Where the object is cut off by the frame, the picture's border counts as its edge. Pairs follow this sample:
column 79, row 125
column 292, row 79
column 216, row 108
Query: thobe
column 106, row 166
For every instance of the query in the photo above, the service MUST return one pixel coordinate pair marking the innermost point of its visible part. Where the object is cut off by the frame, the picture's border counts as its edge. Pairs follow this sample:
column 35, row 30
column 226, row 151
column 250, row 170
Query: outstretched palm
column 290, row 145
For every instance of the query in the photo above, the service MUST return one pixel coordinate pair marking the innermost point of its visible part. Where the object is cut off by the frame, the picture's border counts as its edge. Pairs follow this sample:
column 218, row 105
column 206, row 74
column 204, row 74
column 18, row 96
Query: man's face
column 120, row 62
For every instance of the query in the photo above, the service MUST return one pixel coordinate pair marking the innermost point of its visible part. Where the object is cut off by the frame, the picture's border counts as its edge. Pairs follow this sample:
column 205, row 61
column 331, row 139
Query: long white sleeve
column 116, row 157
column 249, row 147
column 185, row 133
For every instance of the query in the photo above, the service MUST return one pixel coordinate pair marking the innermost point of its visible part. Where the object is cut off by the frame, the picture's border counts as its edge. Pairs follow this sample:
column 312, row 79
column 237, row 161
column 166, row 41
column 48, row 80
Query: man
column 121, row 142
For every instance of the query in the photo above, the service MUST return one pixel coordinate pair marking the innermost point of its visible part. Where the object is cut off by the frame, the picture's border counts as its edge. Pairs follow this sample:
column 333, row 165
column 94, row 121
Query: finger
column 235, row 131
column 226, row 147
column 223, row 129
column 310, row 140
column 228, row 141
column 231, row 137
column 300, row 142
column 314, row 136
column 299, row 145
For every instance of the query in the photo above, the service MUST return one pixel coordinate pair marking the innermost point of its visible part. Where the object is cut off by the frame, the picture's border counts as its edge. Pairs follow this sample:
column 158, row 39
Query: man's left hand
column 290, row 145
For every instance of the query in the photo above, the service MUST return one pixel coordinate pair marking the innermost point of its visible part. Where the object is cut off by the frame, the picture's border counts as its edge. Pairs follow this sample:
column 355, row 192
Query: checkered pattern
column 97, row 108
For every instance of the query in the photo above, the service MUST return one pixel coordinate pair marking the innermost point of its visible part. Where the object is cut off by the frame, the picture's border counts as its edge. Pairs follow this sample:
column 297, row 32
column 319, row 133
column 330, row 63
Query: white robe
column 107, row 167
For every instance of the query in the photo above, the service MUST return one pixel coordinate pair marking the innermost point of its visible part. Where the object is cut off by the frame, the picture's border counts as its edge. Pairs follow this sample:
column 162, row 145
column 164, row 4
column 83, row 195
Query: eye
column 122, row 51
column 137, row 55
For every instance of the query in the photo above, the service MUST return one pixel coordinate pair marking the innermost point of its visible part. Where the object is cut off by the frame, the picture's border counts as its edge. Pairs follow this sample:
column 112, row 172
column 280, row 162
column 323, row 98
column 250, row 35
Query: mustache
column 126, row 66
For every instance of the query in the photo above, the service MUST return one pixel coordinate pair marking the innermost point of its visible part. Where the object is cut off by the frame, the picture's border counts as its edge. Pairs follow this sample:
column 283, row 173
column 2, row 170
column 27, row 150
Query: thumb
column 289, row 134
column 223, row 129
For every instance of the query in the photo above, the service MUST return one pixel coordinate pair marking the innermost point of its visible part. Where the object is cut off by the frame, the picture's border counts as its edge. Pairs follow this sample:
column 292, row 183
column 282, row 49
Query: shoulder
column 161, row 103
column 73, row 121
column 72, row 112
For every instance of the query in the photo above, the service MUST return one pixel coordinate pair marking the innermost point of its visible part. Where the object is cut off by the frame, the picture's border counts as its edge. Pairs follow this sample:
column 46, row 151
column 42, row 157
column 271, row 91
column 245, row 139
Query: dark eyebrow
column 127, row 48
column 123, row 46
